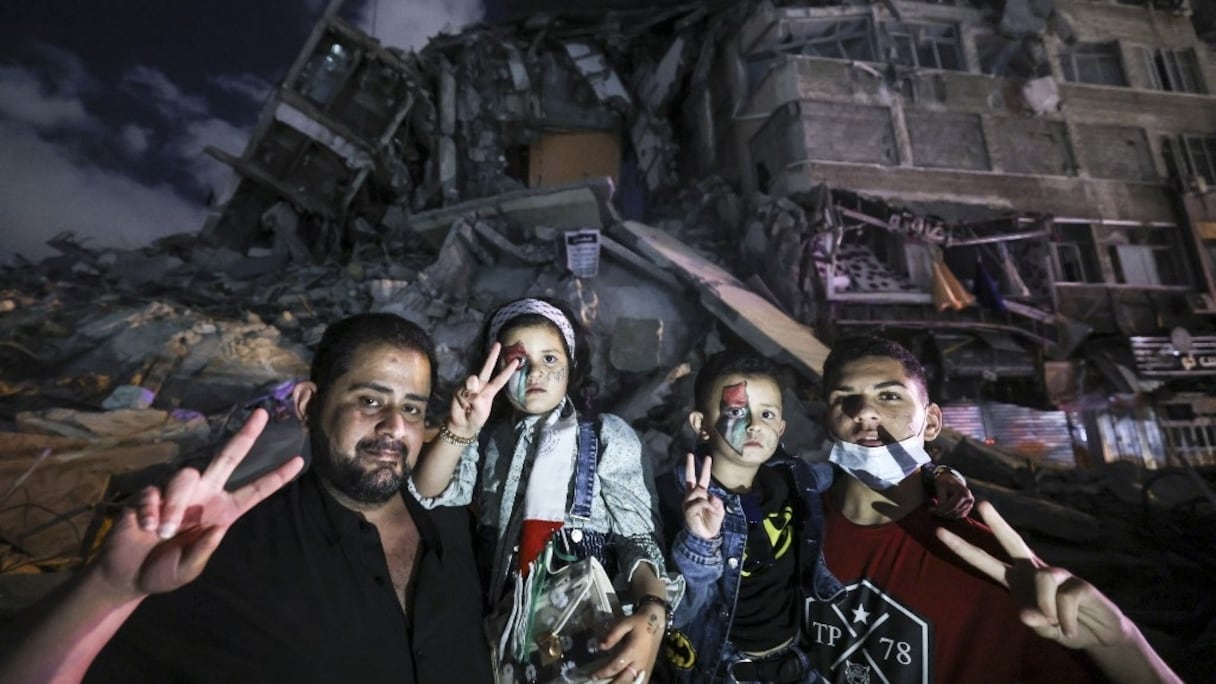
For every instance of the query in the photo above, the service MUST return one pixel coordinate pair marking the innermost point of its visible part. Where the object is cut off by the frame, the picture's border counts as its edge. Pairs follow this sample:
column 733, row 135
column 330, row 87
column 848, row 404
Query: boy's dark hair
column 336, row 352
column 726, row 362
column 579, row 387
column 849, row 349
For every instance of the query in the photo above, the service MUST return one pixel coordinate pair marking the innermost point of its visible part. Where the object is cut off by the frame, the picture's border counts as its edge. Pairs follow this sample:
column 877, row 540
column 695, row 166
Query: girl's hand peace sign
column 471, row 403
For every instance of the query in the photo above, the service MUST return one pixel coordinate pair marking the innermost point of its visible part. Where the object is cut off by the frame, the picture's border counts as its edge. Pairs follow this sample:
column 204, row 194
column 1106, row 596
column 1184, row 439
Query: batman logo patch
column 679, row 651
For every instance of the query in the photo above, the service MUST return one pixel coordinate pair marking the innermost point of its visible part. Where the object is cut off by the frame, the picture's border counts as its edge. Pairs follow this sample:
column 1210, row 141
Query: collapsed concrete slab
column 577, row 205
column 749, row 315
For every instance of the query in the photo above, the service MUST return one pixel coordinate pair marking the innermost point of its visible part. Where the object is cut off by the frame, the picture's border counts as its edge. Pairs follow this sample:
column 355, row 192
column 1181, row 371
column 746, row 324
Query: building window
column 927, row 46
column 1173, row 70
column 1096, row 63
column 1191, row 156
column 853, row 39
column 1001, row 56
column 326, row 72
column 379, row 91
column 1075, row 260
column 1134, row 255
column 1146, row 255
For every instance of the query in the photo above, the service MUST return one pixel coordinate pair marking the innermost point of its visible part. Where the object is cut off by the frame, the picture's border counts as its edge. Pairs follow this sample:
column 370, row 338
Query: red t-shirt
column 915, row 612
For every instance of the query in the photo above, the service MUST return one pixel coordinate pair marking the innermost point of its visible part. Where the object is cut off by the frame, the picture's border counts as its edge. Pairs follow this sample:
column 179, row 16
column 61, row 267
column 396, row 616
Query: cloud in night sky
column 410, row 24
column 68, row 168
column 103, row 135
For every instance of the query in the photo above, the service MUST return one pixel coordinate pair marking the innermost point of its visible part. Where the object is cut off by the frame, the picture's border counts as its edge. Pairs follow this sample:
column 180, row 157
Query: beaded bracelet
column 446, row 434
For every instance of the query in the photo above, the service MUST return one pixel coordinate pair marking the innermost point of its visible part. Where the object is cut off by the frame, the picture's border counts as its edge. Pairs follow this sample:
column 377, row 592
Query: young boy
column 747, row 533
column 928, row 600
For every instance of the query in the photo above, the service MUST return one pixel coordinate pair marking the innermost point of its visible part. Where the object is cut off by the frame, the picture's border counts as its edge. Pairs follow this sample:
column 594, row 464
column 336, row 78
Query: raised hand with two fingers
column 471, row 404
column 166, row 539
column 1062, row 607
column 703, row 512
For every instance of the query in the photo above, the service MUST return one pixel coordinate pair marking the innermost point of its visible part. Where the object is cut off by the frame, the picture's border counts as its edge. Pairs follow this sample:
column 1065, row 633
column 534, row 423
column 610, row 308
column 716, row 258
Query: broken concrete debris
column 689, row 176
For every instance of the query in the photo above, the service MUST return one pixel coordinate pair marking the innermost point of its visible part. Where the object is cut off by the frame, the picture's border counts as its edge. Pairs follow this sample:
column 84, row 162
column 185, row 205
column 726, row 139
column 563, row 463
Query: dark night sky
column 105, row 107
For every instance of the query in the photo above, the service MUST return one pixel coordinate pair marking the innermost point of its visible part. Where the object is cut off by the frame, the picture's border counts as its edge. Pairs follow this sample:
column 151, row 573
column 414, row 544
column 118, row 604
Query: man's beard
column 352, row 477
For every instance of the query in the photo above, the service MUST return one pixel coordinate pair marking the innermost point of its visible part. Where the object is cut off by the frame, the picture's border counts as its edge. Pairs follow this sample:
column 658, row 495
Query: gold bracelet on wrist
column 446, row 434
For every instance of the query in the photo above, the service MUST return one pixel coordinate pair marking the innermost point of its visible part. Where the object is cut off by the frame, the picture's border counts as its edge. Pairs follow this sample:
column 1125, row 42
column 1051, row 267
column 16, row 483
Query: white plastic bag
column 556, row 621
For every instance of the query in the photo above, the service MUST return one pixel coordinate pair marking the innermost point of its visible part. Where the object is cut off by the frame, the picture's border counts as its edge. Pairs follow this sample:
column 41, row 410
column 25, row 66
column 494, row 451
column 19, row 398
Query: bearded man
column 337, row 575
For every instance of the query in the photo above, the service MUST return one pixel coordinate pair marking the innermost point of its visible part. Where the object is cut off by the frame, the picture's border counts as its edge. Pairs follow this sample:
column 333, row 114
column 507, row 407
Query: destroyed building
column 1023, row 192
column 1054, row 158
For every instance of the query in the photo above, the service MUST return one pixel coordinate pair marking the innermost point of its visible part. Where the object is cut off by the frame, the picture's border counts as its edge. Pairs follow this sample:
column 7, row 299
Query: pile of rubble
column 120, row 365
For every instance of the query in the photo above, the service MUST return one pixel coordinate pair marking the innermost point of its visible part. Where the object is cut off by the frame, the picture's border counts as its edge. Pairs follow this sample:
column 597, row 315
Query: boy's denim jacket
column 712, row 568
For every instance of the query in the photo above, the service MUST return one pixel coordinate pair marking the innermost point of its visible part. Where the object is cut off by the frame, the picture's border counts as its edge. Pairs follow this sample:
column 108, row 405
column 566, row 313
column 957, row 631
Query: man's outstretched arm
column 1062, row 607
column 158, row 546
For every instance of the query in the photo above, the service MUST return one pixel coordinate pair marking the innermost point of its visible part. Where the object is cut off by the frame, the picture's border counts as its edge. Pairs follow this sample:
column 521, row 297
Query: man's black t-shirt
column 299, row 591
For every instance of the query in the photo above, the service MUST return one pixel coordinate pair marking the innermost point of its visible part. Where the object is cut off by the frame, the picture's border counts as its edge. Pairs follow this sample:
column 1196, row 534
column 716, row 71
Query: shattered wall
column 851, row 74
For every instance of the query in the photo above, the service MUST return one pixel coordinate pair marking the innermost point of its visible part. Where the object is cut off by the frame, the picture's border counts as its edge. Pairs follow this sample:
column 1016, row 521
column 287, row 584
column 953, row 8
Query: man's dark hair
column 342, row 341
column 849, row 349
column 728, row 362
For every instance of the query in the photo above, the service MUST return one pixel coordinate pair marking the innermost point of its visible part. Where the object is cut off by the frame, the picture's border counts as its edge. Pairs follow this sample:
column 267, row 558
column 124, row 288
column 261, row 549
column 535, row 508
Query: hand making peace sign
column 1056, row 604
column 703, row 512
column 167, row 538
column 471, row 404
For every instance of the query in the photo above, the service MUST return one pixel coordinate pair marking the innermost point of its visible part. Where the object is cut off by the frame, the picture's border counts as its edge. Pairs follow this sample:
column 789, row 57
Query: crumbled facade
column 1016, row 188
column 1021, row 191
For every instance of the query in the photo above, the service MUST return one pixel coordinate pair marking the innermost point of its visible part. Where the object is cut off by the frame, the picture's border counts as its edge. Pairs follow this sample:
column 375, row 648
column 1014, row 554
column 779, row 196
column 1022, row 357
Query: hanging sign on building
column 1162, row 357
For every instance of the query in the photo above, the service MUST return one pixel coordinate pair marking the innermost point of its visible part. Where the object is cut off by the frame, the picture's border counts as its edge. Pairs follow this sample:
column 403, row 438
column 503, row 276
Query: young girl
column 523, row 471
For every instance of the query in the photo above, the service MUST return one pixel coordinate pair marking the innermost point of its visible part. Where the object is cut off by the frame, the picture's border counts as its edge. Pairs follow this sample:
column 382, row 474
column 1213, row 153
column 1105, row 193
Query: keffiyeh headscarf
column 531, row 306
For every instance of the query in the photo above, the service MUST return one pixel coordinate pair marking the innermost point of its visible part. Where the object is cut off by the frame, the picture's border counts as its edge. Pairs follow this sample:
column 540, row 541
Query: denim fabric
column 712, row 568
column 584, row 470
column 490, row 473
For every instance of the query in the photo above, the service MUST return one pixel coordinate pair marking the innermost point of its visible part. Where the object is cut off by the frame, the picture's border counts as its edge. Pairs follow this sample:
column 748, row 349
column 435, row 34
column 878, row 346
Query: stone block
column 636, row 343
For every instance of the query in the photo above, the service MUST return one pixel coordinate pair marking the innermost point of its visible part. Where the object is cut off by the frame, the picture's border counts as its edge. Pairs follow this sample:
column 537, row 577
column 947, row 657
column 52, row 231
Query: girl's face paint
column 540, row 383
column 517, row 385
column 734, row 416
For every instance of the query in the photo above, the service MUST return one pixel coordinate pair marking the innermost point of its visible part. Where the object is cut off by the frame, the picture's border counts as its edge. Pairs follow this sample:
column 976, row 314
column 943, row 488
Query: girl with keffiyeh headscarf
column 523, row 473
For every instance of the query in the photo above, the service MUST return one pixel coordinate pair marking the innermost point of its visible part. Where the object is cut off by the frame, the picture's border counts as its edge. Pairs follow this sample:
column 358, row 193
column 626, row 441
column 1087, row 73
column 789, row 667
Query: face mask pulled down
column 881, row 467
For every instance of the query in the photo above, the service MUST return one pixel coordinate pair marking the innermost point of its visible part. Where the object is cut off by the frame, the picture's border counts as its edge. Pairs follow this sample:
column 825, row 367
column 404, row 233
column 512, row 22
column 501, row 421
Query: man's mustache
column 382, row 444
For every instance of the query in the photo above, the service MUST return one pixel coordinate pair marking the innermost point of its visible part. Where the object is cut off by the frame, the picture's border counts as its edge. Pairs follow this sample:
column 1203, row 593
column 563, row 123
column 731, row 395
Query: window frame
column 1079, row 59
column 1178, row 67
column 916, row 39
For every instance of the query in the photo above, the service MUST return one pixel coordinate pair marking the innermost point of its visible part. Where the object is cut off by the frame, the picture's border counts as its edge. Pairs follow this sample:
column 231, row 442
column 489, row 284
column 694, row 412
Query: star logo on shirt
column 860, row 614
column 865, row 635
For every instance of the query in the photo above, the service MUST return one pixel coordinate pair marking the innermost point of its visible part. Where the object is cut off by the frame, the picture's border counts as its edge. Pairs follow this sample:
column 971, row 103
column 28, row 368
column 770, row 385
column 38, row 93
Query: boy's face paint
column 540, row 383
column 745, row 425
column 734, row 416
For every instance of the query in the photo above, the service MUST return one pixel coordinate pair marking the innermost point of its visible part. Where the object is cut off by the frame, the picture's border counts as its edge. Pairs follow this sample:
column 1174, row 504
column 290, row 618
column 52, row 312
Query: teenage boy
column 913, row 610
column 749, row 530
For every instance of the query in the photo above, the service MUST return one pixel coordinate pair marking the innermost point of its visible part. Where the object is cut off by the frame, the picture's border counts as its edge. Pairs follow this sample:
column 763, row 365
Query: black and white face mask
column 881, row 467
